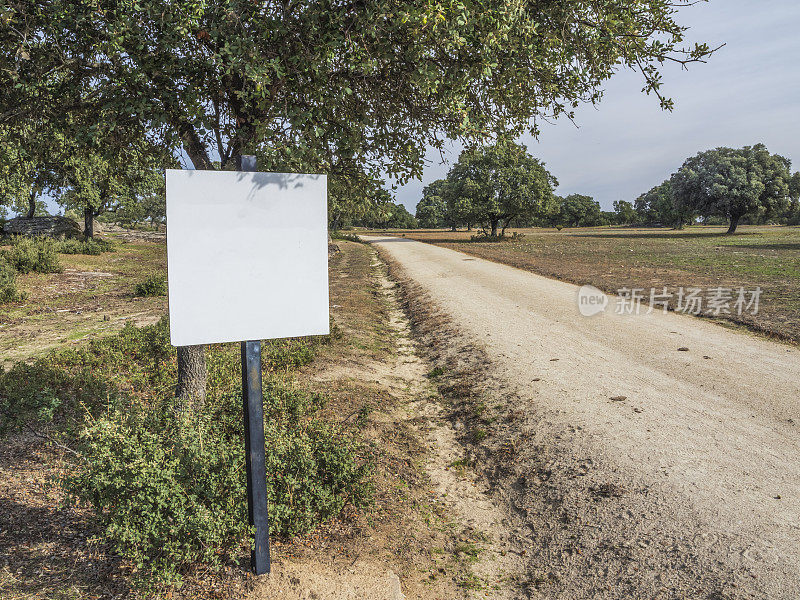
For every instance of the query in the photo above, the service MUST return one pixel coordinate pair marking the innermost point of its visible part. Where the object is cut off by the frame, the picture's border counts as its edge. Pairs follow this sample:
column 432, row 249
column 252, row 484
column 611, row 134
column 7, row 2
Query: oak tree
column 325, row 86
column 732, row 183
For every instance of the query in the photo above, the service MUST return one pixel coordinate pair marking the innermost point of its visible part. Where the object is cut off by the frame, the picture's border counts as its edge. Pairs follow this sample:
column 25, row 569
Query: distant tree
column 657, row 207
column 459, row 195
column 26, row 173
column 548, row 214
column 117, row 174
column 792, row 216
column 398, row 217
column 149, row 207
column 432, row 209
column 607, row 217
column 578, row 210
column 387, row 214
column 732, row 183
column 354, row 196
column 625, row 214
column 501, row 182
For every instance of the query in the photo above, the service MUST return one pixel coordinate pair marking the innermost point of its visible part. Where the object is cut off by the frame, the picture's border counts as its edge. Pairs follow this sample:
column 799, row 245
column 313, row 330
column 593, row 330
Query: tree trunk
column 734, row 224
column 494, row 227
column 191, row 388
column 88, row 223
column 469, row 226
column 31, row 206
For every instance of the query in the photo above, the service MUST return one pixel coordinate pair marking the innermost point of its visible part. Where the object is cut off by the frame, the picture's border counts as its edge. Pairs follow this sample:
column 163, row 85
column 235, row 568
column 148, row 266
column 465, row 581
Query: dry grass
column 93, row 296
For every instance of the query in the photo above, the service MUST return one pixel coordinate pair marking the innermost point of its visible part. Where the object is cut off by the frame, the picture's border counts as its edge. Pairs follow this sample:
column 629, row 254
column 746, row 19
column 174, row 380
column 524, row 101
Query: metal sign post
column 255, row 457
column 256, row 218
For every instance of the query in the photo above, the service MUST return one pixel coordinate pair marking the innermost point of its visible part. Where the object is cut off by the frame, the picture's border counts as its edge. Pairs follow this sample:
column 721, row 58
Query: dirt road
column 686, row 487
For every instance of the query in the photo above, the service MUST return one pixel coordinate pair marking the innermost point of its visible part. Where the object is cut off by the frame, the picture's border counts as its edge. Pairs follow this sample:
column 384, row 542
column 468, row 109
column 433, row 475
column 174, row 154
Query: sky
column 748, row 92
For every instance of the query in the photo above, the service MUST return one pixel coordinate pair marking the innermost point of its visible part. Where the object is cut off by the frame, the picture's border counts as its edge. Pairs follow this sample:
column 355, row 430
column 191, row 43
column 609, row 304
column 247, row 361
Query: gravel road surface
column 651, row 471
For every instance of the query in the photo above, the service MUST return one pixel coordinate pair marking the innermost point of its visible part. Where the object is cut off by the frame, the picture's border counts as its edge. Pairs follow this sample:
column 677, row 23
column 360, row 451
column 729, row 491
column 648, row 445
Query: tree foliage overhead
column 326, row 86
column 732, row 183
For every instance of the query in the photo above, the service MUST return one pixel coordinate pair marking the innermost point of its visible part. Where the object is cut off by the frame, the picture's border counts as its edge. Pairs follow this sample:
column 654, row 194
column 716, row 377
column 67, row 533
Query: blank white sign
column 247, row 256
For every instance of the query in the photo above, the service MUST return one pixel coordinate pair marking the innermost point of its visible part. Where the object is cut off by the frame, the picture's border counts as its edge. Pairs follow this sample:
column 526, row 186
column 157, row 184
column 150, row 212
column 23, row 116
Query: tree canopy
column 732, row 183
column 578, row 210
column 341, row 88
column 322, row 86
column 25, row 173
column 432, row 209
column 500, row 183
column 657, row 207
column 625, row 213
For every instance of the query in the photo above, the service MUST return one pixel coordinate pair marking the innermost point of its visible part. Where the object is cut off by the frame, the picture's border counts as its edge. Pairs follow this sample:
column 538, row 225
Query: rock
column 97, row 227
column 395, row 591
column 683, row 349
column 46, row 226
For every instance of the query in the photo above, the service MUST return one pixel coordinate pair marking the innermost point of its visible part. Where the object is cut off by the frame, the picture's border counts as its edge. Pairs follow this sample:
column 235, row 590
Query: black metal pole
column 255, row 458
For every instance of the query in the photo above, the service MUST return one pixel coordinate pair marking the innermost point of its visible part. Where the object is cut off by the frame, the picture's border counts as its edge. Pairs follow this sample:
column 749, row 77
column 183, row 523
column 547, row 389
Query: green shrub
column 169, row 488
column 54, row 394
column 287, row 354
column 92, row 246
column 350, row 237
column 483, row 236
column 153, row 285
column 8, row 282
column 172, row 492
column 34, row 255
column 166, row 495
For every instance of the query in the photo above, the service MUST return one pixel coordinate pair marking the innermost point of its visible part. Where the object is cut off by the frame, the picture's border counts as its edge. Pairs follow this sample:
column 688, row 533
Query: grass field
column 697, row 257
column 94, row 295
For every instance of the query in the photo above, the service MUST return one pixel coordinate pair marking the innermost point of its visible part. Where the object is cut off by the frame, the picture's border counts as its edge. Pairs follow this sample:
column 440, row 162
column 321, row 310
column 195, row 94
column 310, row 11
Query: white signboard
column 247, row 256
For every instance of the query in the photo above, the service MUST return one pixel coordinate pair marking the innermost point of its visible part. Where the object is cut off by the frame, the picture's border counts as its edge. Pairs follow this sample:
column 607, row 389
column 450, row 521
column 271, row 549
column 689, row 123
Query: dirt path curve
column 704, row 449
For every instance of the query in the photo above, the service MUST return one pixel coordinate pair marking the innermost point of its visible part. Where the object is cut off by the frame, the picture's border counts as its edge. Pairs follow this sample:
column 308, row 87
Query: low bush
column 54, row 394
column 153, row 285
column 350, row 237
column 8, row 282
column 92, row 246
column 166, row 494
column 34, row 255
column 488, row 237
column 168, row 488
column 287, row 354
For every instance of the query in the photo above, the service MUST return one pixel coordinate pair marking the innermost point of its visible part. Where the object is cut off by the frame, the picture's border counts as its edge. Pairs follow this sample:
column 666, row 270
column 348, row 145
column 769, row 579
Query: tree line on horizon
column 485, row 188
